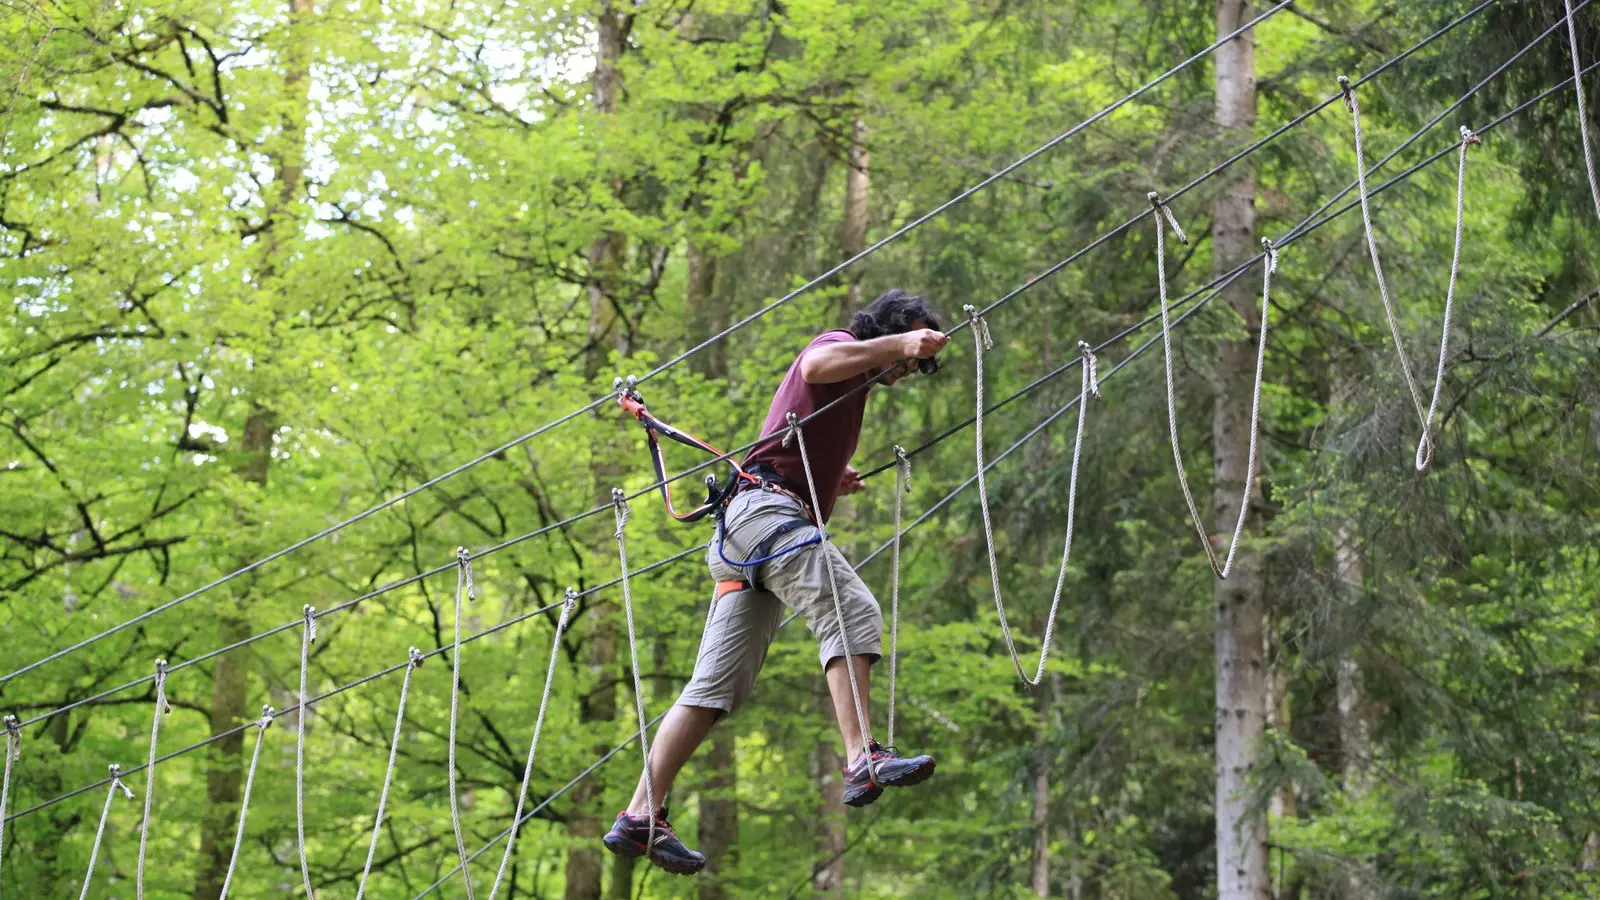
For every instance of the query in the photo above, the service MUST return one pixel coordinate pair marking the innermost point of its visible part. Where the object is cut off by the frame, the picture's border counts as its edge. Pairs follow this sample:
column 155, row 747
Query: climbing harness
column 1424, row 455
column 162, row 706
column 619, row 503
column 463, row 587
column 244, row 803
column 1089, row 386
column 413, row 663
column 1583, row 112
column 100, row 830
column 308, row 633
column 718, row 495
column 538, row 726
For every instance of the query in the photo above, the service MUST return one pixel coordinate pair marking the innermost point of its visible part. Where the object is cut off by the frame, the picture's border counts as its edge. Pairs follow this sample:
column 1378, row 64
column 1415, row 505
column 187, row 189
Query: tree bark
column 1039, row 869
column 1350, row 692
column 605, row 254
column 1241, row 687
column 707, row 314
column 827, row 873
column 853, row 231
column 719, row 814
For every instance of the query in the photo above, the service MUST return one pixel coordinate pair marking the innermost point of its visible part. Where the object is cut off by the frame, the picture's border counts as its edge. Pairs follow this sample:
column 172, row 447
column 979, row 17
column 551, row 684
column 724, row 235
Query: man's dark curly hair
column 892, row 313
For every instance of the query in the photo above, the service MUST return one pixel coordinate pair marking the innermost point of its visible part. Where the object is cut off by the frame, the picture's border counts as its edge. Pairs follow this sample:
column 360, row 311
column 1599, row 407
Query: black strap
column 764, row 549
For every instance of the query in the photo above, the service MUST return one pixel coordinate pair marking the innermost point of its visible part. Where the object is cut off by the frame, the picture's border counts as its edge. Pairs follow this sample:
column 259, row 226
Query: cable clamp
column 161, row 687
column 414, row 658
column 464, row 570
column 567, row 606
column 1091, row 364
column 14, row 738
column 905, row 464
column 310, row 612
column 1162, row 208
column 1349, row 93
column 1271, row 253
column 794, row 428
column 267, row 715
column 116, row 781
column 619, row 505
column 980, row 327
column 1470, row 137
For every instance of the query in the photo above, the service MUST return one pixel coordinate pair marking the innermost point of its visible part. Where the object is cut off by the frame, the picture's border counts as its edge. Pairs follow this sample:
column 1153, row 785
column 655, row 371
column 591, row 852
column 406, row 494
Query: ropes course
column 1091, row 381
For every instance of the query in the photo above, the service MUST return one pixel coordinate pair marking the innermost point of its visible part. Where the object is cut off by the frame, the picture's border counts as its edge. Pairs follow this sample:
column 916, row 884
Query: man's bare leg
column 844, row 708
column 682, row 731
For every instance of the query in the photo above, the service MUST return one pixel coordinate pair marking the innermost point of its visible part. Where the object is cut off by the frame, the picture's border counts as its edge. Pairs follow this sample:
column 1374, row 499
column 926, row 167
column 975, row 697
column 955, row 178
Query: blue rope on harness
column 749, row 563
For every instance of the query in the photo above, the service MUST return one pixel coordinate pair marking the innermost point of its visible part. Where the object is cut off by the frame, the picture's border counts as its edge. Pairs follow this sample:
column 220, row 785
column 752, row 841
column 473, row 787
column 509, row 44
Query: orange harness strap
column 728, row 587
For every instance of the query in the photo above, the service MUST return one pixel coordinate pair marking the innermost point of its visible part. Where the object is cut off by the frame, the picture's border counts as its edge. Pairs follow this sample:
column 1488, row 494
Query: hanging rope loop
column 302, row 709
column 1583, row 110
column 1091, row 368
column 619, row 503
column 162, row 706
column 262, row 724
column 464, row 573
column 1425, row 446
column 902, row 483
column 464, row 588
column 1164, row 210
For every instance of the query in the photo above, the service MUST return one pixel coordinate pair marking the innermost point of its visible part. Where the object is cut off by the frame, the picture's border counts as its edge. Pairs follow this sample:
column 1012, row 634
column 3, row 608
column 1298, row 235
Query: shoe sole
column 915, row 776
column 868, row 794
column 622, row 846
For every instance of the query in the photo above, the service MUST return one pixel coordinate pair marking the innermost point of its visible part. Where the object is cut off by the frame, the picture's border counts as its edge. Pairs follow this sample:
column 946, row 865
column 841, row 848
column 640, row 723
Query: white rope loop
column 464, row 588
column 1583, row 111
column 533, row 746
column 1353, row 104
column 838, row 605
column 162, row 706
column 413, row 662
column 100, row 830
column 13, row 752
column 902, row 483
column 308, row 633
column 1162, row 209
column 619, row 505
column 1172, row 398
column 244, row 804
column 1252, row 465
column 1087, row 381
column 1425, row 446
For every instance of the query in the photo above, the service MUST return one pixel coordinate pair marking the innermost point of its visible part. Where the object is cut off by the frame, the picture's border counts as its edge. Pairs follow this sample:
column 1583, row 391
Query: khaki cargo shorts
column 741, row 624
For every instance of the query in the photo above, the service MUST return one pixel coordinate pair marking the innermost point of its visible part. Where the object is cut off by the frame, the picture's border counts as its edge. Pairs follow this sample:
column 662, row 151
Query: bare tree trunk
column 827, row 873
column 1350, row 691
column 1039, row 870
column 1241, row 684
column 719, row 813
column 707, row 315
column 853, row 232
column 605, row 254
column 1280, row 718
column 230, row 679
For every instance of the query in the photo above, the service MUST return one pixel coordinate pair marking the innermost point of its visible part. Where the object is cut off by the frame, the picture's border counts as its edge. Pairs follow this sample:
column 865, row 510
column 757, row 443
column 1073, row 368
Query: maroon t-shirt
column 830, row 438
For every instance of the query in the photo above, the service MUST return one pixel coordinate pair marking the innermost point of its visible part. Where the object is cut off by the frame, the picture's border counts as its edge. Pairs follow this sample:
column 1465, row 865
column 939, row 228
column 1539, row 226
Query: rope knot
column 1162, row 208
column 116, row 781
column 414, row 658
column 905, row 464
column 1470, row 137
column 161, row 687
column 265, row 721
column 13, row 738
column 619, row 505
column 1349, row 93
column 1271, row 254
column 980, row 326
column 1092, row 366
column 794, row 428
column 464, row 572
column 310, row 612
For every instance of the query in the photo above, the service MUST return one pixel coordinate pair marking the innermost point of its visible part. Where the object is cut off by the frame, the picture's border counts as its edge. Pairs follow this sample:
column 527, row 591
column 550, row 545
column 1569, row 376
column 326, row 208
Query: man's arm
column 841, row 360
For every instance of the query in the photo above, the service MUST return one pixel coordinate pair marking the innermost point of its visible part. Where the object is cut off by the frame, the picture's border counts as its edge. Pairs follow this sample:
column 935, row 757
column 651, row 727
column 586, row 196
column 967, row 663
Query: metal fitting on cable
column 1348, row 91
column 569, row 604
column 1092, row 366
column 14, row 733
column 980, row 327
column 1162, row 208
column 267, row 715
column 905, row 464
column 1271, row 253
column 794, row 426
column 619, row 505
column 414, row 658
column 464, row 570
column 116, row 781
column 310, row 613
column 1470, row 137
column 161, row 685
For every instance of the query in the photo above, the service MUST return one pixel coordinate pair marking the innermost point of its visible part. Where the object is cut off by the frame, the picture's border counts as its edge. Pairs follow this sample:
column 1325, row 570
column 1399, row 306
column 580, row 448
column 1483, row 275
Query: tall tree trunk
column 605, row 254
column 1241, row 684
column 231, row 678
column 1039, row 869
column 719, row 813
column 827, row 872
column 1355, row 730
column 853, row 231
column 708, row 314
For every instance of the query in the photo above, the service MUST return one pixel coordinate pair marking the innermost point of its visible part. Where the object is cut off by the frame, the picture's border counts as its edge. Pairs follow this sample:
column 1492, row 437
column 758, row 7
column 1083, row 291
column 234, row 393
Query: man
column 768, row 556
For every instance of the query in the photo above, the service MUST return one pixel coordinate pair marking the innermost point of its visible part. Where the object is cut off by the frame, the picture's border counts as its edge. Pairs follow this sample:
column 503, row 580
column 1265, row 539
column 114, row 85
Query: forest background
column 271, row 262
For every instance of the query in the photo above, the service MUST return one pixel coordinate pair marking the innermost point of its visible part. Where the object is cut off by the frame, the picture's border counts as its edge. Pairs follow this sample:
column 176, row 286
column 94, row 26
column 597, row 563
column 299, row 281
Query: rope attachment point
column 13, row 739
column 267, row 715
column 1163, row 209
column 310, row 614
column 619, row 505
column 1091, row 366
column 980, row 326
column 116, row 781
column 464, row 568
